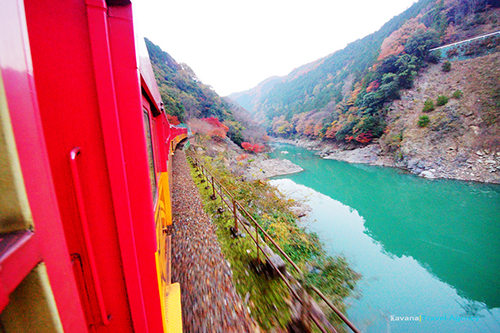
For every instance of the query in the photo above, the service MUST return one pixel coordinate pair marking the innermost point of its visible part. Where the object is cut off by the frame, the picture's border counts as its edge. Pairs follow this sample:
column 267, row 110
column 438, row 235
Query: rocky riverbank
column 461, row 164
column 266, row 168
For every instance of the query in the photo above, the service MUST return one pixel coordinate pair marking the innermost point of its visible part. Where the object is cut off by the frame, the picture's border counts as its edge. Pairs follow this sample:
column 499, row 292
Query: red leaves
column 363, row 137
column 173, row 120
column 211, row 127
column 256, row 148
column 218, row 128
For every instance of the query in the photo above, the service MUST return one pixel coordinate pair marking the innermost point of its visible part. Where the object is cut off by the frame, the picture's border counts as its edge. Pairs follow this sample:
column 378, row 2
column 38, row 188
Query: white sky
column 234, row 45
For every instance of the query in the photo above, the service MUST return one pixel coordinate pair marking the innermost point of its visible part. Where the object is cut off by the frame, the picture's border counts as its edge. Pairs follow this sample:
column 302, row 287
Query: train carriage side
column 85, row 180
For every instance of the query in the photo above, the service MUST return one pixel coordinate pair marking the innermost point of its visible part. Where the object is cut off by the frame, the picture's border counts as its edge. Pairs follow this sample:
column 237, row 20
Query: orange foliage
column 208, row 126
column 450, row 34
column 242, row 157
column 395, row 43
column 364, row 137
column 281, row 126
column 332, row 130
column 357, row 89
column 373, row 86
column 317, row 128
column 309, row 130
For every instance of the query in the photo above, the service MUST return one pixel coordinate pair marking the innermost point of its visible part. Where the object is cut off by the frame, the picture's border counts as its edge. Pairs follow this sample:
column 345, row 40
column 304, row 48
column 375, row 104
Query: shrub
column 457, row 94
column 423, row 121
column 434, row 57
column 446, row 66
column 441, row 100
column 173, row 120
column 256, row 148
column 428, row 105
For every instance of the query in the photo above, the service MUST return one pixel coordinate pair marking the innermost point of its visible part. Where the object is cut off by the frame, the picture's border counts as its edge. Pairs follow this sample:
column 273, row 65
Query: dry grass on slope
column 456, row 130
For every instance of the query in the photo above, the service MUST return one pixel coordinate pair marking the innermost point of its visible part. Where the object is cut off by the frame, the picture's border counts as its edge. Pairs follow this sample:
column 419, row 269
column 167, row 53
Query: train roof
column 148, row 81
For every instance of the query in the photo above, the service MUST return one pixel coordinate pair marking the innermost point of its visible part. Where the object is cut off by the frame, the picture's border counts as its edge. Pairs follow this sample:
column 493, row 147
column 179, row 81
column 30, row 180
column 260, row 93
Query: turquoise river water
column 428, row 250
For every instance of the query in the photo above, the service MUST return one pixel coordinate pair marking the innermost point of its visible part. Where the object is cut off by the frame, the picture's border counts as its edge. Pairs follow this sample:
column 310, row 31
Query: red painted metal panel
column 86, row 233
column 71, row 116
column 124, row 60
column 114, row 152
column 17, row 73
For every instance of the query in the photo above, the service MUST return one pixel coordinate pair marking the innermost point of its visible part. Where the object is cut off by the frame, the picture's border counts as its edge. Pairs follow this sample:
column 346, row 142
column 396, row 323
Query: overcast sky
column 234, row 45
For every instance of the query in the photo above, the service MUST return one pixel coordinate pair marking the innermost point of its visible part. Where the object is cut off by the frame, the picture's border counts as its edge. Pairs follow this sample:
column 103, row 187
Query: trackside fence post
column 235, row 217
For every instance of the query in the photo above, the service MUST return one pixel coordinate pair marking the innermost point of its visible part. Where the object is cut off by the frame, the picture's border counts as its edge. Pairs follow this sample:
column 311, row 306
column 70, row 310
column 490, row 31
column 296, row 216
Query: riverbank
column 480, row 166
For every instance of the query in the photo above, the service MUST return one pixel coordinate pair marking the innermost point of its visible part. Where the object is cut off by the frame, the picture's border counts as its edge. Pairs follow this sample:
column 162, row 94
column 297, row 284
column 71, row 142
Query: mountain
column 187, row 98
column 250, row 98
column 345, row 96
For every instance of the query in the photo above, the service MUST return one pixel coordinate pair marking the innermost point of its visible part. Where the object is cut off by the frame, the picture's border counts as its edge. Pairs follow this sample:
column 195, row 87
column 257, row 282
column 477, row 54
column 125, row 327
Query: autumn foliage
column 256, row 148
column 218, row 128
column 242, row 157
column 210, row 126
column 173, row 120
column 364, row 137
column 395, row 43
column 373, row 86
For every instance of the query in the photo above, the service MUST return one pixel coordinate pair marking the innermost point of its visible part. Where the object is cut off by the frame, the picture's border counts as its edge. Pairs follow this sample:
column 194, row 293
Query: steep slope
column 182, row 92
column 249, row 99
column 462, row 138
column 303, row 91
column 344, row 96
column 187, row 98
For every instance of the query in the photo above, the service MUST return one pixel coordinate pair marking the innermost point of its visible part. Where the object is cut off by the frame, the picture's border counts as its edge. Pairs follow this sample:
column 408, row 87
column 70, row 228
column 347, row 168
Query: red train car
column 85, row 153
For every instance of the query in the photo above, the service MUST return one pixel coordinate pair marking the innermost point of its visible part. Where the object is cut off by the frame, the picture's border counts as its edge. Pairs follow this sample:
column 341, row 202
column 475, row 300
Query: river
column 428, row 250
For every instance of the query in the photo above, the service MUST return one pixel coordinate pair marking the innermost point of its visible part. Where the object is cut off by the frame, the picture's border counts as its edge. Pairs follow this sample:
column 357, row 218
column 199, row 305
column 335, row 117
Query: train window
column 31, row 306
column 15, row 212
column 149, row 143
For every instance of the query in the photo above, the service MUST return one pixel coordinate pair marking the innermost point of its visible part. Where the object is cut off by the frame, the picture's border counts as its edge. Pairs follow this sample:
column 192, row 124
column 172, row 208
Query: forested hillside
column 345, row 96
column 187, row 99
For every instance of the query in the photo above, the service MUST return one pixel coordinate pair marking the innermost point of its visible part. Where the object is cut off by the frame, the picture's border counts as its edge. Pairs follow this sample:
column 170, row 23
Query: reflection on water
column 426, row 248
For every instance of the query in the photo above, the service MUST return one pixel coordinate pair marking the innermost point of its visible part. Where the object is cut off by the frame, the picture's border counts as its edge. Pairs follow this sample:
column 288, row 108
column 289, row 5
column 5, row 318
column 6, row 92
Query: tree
column 256, row 148
column 421, row 42
column 173, row 120
column 218, row 129
column 446, row 66
column 423, row 121
column 407, row 70
column 441, row 100
column 395, row 43
column 428, row 105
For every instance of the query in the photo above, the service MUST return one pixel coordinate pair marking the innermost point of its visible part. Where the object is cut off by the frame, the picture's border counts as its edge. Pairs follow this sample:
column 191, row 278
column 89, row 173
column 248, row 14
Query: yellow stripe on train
column 170, row 293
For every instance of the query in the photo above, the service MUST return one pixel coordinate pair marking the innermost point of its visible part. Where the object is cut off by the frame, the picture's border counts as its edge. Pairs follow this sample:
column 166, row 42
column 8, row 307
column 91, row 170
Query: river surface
column 428, row 250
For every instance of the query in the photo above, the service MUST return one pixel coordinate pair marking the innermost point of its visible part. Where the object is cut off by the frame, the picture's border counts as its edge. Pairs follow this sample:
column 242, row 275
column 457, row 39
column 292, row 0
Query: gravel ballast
column 209, row 299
